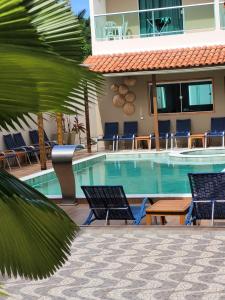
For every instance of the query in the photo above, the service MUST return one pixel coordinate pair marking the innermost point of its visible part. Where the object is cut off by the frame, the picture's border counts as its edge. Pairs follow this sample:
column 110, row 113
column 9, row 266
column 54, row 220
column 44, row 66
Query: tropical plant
column 78, row 127
column 86, row 30
column 40, row 52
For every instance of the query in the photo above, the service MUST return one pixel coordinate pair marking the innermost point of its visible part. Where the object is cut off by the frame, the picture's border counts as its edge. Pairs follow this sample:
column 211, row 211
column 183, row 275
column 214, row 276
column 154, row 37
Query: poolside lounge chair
column 217, row 130
column 35, row 139
column 11, row 145
column 7, row 156
column 129, row 133
column 208, row 197
column 110, row 134
column 164, row 132
column 32, row 150
column 183, row 130
column 110, row 203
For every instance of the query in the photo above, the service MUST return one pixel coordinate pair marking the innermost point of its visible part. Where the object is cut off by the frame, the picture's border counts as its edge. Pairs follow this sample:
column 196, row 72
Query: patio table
column 145, row 138
column 168, row 207
column 198, row 136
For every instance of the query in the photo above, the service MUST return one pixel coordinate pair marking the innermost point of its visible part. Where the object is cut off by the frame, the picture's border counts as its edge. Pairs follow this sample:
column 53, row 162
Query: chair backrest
column 218, row 124
column 19, row 140
column 130, row 128
column 207, row 188
column 34, row 136
column 164, row 126
column 111, row 129
column 9, row 142
column 183, row 125
column 108, row 198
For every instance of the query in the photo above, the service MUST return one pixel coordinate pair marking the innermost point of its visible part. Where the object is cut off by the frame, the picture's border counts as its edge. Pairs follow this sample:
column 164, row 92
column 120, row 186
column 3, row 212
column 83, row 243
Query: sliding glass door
column 160, row 22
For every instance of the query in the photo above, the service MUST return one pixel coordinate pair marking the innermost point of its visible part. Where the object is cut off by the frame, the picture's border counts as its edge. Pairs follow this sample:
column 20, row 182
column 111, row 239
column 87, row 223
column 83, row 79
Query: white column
column 217, row 14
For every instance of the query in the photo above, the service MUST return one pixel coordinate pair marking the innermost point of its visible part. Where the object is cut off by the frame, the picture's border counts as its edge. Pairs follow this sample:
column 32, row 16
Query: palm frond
column 40, row 46
column 35, row 231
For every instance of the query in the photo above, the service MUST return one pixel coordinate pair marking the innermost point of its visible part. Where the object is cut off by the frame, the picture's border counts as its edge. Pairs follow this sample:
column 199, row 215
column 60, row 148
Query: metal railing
column 156, row 22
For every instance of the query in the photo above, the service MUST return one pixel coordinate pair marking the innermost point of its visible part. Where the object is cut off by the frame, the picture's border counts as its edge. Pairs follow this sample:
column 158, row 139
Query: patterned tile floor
column 135, row 263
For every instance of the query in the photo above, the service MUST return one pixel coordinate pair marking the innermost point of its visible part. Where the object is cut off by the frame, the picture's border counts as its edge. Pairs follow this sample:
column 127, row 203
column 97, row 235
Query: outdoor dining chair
column 110, row 203
column 217, row 130
column 129, row 133
column 208, row 197
column 164, row 132
column 110, row 133
column 183, row 131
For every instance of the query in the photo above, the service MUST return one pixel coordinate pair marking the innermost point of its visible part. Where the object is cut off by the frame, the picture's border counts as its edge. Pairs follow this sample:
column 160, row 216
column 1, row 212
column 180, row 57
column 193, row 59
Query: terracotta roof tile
column 158, row 60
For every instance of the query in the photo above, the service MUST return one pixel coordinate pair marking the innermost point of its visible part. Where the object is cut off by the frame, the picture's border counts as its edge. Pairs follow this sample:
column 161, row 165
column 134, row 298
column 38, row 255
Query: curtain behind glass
column 148, row 21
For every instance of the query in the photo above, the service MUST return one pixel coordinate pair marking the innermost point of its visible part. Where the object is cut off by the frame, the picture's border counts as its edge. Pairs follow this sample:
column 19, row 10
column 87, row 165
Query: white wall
column 191, row 39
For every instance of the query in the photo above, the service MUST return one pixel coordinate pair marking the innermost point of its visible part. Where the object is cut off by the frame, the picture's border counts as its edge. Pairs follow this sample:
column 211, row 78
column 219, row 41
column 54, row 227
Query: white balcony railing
column 157, row 22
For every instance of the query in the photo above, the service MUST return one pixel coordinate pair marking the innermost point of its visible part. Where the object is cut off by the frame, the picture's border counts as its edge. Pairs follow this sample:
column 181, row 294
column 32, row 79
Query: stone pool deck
column 135, row 263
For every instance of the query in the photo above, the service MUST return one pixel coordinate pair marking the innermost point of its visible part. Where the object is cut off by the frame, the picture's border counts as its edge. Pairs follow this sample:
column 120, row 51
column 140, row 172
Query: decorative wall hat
column 129, row 109
column 119, row 100
column 129, row 81
column 124, row 98
column 114, row 88
column 123, row 89
column 130, row 97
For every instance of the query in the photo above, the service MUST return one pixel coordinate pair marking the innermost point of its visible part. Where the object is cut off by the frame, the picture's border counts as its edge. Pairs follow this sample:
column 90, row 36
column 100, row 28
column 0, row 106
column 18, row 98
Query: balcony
column 157, row 22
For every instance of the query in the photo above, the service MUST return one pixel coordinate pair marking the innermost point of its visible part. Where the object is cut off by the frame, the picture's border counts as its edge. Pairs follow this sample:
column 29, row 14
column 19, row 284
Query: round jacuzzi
column 209, row 155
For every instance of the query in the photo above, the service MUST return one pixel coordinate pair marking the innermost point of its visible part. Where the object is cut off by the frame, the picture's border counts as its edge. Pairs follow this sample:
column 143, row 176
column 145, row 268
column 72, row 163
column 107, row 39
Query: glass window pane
column 200, row 94
column 161, row 97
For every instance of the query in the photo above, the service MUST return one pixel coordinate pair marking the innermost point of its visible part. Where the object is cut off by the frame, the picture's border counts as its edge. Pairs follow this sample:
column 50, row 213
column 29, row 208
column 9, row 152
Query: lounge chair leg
column 8, row 164
column 171, row 142
column 107, row 218
column 166, row 144
column 113, row 145
column 18, row 161
column 206, row 141
column 213, row 209
column 150, row 144
column 223, row 141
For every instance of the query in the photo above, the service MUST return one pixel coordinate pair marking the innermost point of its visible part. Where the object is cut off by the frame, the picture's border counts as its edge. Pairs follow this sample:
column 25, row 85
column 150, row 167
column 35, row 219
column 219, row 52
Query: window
column 184, row 97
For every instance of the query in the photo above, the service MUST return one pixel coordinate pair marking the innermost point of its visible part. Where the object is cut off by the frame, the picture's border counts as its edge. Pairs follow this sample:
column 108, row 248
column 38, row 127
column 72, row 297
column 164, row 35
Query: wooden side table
column 144, row 138
column 168, row 207
column 198, row 136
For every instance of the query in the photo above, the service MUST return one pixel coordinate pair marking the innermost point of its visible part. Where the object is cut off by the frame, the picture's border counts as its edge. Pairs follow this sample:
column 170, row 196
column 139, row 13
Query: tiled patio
column 135, row 263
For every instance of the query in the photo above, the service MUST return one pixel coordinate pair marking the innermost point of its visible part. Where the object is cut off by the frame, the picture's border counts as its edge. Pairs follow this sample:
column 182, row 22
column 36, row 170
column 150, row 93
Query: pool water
column 138, row 174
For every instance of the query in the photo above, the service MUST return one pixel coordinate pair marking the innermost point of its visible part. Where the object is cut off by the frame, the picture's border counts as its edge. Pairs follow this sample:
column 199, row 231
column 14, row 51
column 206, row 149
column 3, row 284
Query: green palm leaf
column 40, row 46
column 35, row 234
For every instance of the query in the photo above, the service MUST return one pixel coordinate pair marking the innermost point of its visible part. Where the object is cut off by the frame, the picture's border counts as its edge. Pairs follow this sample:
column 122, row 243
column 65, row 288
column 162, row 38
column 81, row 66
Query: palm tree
column 40, row 44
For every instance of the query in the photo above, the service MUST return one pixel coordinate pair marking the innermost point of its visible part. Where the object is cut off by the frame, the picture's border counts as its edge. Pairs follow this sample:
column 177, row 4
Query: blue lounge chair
column 110, row 134
column 35, row 139
column 110, row 203
column 217, row 130
column 20, row 143
column 11, row 145
column 183, row 130
column 129, row 133
column 9, row 155
column 208, row 197
column 164, row 132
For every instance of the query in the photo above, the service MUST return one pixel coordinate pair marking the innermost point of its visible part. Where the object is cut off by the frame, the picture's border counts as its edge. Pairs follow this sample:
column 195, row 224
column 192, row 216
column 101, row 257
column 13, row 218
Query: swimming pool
column 140, row 174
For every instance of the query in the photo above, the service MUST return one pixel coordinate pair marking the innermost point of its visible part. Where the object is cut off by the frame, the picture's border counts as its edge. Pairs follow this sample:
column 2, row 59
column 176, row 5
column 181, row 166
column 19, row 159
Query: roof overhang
column 161, row 72
column 181, row 60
